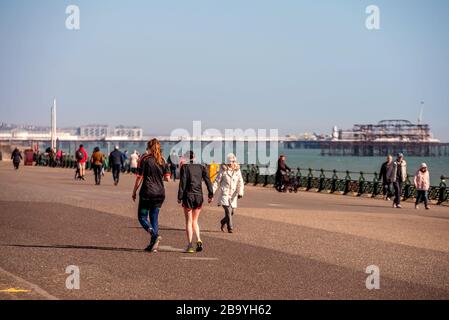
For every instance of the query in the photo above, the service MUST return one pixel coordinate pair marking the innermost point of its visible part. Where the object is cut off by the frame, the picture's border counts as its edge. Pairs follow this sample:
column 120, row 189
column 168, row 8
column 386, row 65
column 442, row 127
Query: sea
column 297, row 158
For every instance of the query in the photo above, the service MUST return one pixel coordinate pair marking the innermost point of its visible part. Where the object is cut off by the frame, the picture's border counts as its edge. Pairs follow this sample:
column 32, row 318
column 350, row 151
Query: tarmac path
column 285, row 246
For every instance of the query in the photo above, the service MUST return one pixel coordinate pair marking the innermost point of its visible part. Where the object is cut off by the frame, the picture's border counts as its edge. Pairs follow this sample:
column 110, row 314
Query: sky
column 297, row 66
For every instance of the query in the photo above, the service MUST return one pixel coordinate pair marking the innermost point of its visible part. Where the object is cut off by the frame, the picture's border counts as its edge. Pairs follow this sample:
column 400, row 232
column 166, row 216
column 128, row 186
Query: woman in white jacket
column 230, row 183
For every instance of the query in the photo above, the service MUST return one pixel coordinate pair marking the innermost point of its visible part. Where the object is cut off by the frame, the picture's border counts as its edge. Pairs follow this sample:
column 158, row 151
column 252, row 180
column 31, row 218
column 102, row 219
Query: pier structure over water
column 363, row 140
column 386, row 137
column 382, row 148
column 328, row 148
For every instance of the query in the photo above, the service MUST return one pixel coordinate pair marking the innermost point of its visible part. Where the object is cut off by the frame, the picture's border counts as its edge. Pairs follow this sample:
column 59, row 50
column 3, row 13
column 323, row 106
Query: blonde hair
column 154, row 149
column 232, row 162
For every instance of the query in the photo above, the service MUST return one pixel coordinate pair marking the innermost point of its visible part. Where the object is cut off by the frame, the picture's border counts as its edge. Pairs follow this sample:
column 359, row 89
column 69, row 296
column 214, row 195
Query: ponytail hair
column 154, row 149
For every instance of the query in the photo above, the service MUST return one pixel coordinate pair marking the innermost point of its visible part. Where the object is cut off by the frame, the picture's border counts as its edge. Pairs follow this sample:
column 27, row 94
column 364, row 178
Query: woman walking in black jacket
column 16, row 157
column 150, row 173
column 190, row 194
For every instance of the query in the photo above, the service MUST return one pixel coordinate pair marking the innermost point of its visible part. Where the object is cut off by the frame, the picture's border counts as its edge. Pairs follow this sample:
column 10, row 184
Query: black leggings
column 97, row 172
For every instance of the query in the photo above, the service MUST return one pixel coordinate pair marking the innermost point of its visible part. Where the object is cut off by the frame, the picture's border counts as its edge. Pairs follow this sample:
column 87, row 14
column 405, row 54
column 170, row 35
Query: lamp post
column 53, row 125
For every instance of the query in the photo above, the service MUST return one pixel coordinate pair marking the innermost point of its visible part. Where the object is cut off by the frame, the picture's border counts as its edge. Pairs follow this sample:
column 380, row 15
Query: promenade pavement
column 285, row 246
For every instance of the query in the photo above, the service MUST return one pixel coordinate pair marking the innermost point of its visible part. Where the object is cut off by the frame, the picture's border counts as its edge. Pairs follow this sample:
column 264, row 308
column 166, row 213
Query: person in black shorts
column 190, row 195
column 150, row 174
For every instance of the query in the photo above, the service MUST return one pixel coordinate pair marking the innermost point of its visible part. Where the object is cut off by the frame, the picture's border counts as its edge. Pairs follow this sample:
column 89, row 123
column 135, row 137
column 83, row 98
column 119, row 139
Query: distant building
column 6, row 126
column 94, row 131
column 104, row 131
column 129, row 132
column 88, row 132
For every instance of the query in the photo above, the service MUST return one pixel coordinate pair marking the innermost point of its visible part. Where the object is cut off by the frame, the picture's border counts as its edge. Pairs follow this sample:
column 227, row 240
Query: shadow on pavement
column 161, row 248
column 178, row 229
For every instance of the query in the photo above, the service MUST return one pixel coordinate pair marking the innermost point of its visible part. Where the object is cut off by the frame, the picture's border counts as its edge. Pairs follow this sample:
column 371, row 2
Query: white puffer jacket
column 231, row 185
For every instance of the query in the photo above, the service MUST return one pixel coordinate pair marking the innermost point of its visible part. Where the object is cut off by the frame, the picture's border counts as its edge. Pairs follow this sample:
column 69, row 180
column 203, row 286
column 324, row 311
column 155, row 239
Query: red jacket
column 84, row 159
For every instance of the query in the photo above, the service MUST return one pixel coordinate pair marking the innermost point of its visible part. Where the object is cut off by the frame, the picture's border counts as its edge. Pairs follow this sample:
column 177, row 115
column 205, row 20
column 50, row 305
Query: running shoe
column 199, row 246
column 190, row 249
column 151, row 245
column 156, row 244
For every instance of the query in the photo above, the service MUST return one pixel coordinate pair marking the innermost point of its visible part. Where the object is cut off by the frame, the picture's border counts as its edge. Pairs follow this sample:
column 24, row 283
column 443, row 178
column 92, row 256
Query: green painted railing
column 329, row 181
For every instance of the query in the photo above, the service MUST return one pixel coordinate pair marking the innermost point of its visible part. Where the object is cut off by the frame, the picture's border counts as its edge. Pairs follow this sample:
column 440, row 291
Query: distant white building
column 128, row 132
column 104, row 131
column 95, row 131
column 89, row 132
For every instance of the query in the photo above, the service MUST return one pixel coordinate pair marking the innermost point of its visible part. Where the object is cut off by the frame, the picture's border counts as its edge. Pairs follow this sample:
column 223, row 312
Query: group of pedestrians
column 152, row 169
column 55, row 157
column 116, row 161
column 394, row 174
column 51, row 157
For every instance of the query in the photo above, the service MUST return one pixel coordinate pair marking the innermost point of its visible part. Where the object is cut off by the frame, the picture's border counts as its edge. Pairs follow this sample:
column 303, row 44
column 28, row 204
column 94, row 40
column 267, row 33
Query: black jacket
column 383, row 172
column 116, row 157
column 191, row 178
column 387, row 172
column 282, row 167
column 16, row 156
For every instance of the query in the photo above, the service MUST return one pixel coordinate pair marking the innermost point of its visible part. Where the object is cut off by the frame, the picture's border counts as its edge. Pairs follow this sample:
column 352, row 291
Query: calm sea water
column 308, row 158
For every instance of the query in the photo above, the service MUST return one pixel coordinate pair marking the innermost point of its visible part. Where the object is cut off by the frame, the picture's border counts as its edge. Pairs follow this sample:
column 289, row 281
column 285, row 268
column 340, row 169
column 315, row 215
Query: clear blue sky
column 293, row 65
